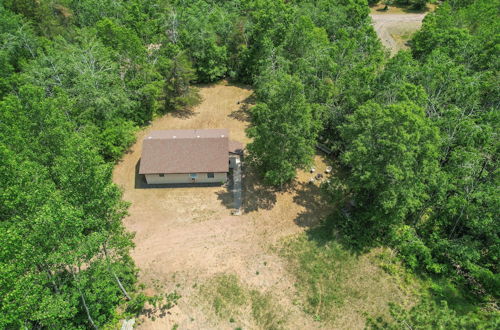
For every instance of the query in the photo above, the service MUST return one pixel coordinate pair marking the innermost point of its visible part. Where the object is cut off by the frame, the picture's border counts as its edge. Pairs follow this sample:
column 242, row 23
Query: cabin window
column 193, row 175
column 161, row 175
column 210, row 175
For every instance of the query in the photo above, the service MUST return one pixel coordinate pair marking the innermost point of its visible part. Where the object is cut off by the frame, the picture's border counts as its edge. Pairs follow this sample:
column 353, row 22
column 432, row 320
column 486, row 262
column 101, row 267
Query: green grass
column 321, row 272
column 229, row 299
column 342, row 288
column 266, row 312
column 436, row 288
column 443, row 289
column 335, row 286
column 226, row 294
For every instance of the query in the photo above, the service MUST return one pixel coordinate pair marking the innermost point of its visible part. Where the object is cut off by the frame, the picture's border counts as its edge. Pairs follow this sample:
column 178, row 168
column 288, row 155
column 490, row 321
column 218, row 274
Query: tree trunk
column 125, row 293
column 83, row 301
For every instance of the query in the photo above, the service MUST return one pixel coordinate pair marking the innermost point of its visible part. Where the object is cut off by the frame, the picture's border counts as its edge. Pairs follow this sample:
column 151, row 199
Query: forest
column 415, row 138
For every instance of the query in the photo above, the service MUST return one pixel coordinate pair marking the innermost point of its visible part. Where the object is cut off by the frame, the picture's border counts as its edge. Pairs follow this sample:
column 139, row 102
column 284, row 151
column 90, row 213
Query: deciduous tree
column 283, row 129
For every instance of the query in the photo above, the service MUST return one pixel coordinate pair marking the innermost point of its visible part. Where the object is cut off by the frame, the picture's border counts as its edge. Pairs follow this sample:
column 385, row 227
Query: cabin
column 191, row 156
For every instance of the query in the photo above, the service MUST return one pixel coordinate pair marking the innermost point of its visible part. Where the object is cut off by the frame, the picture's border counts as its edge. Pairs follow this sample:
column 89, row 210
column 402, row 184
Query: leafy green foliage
column 284, row 130
column 59, row 214
column 392, row 152
column 431, row 315
column 178, row 92
column 446, row 223
column 417, row 135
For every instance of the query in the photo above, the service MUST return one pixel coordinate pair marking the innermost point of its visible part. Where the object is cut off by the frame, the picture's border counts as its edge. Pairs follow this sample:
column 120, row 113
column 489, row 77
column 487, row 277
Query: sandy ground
column 186, row 235
column 390, row 27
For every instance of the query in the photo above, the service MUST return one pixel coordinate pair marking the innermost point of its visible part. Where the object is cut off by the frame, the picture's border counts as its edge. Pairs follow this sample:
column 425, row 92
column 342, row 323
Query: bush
column 412, row 250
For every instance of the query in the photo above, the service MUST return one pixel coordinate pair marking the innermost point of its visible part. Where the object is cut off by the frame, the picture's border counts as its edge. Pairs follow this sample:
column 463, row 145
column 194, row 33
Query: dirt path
column 389, row 26
column 186, row 235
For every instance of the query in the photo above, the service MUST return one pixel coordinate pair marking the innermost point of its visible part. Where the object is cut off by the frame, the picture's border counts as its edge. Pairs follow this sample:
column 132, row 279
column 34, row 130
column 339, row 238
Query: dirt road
column 389, row 26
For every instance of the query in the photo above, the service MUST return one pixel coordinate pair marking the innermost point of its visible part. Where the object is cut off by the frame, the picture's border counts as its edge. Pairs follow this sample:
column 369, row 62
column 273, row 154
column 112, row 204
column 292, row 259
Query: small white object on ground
column 128, row 324
column 328, row 169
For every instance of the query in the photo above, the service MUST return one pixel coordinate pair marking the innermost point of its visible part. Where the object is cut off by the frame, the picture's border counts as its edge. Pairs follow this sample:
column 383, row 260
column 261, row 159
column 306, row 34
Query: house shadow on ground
column 225, row 196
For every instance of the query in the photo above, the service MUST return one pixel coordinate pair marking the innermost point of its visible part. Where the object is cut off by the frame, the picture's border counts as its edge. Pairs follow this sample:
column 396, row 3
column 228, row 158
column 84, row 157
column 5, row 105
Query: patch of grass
column 266, row 312
column 228, row 297
column 226, row 294
column 403, row 37
column 343, row 287
column 436, row 288
column 321, row 273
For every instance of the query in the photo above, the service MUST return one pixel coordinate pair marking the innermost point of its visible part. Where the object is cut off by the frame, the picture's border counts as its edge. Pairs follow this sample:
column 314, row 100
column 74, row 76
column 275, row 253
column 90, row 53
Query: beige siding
column 185, row 178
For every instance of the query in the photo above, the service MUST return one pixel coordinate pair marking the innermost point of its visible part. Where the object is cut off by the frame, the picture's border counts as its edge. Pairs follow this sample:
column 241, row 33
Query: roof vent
column 198, row 136
column 149, row 137
column 174, row 136
column 222, row 135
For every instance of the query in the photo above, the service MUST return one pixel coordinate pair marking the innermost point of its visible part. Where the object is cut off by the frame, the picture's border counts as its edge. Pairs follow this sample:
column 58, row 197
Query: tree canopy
column 416, row 136
column 422, row 155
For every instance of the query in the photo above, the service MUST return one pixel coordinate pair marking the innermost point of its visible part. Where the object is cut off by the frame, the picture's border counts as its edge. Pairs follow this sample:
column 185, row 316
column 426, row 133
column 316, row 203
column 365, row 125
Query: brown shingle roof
column 185, row 151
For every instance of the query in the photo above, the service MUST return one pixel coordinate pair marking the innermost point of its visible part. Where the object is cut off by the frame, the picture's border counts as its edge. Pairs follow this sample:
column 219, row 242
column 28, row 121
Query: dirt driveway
column 394, row 29
column 186, row 235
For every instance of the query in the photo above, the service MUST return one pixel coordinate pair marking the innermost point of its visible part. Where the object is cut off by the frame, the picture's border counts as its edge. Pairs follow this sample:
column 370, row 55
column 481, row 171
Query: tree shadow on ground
column 256, row 196
column 225, row 82
column 183, row 113
column 315, row 203
column 242, row 113
column 327, row 230
column 328, row 217
column 235, row 84
column 341, row 226
column 404, row 8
